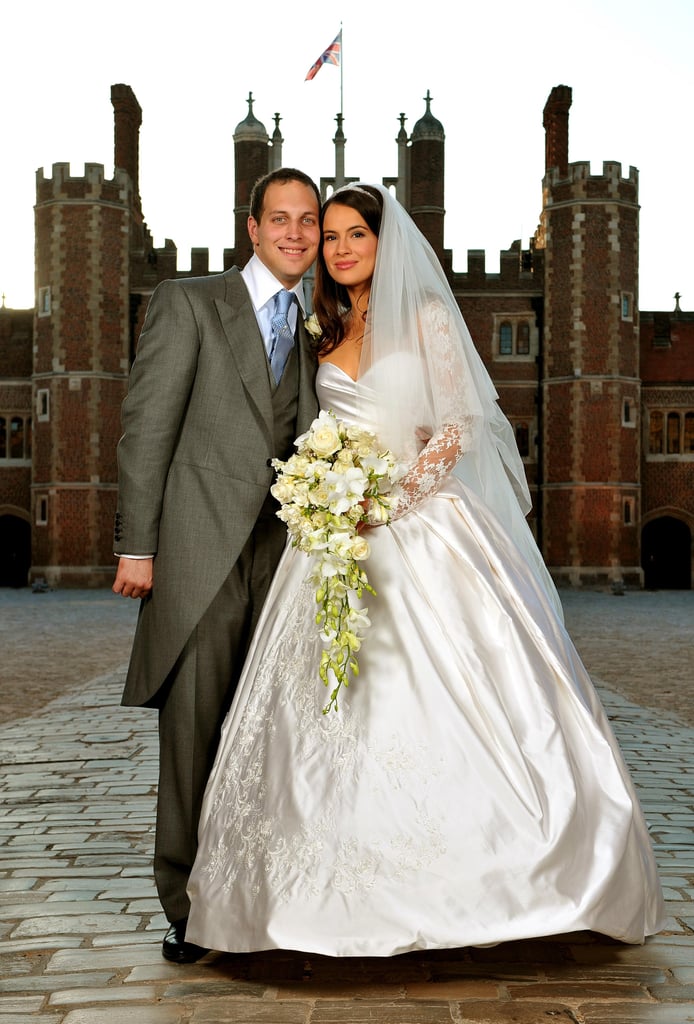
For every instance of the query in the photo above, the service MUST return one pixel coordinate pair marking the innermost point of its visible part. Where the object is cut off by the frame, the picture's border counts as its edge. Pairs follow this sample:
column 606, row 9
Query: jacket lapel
column 308, row 402
column 248, row 350
column 245, row 342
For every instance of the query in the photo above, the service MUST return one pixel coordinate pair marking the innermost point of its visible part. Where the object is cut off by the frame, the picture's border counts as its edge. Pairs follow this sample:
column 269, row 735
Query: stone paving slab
column 80, row 926
column 121, row 1015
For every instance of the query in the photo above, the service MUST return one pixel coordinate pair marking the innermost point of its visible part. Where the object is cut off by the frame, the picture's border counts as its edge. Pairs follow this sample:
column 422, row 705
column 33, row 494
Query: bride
column 469, row 790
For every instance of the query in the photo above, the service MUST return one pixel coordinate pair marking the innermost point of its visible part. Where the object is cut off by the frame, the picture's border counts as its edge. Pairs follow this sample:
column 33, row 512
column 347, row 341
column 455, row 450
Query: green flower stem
column 333, row 616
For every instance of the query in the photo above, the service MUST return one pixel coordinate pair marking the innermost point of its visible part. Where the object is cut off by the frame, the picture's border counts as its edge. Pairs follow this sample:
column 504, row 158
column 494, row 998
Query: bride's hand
column 362, row 524
column 423, row 435
column 375, row 515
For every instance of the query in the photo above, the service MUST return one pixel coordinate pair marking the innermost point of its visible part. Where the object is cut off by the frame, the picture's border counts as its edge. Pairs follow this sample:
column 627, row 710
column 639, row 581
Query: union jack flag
column 330, row 56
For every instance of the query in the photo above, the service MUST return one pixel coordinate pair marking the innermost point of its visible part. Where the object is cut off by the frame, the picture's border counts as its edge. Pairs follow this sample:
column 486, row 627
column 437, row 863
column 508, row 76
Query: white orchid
column 345, row 489
column 341, row 545
column 331, row 565
column 378, row 512
column 359, row 619
column 371, row 462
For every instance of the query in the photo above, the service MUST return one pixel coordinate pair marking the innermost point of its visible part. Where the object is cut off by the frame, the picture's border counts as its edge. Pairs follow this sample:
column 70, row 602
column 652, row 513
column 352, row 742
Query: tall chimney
column 555, row 120
column 127, row 121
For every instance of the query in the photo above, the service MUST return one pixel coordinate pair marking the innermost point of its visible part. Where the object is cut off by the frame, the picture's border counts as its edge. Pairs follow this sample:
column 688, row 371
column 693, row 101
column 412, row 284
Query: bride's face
column 349, row 246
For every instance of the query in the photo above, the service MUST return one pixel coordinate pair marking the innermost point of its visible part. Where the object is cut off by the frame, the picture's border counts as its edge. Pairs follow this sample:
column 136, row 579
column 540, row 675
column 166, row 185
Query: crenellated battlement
column 162, row 263
column 519, row 270
column 92, row 185
column 579, row 183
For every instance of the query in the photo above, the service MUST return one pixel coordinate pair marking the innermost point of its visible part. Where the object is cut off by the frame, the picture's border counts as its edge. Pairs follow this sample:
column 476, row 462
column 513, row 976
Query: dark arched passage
column 15, row 551
column 666, row 554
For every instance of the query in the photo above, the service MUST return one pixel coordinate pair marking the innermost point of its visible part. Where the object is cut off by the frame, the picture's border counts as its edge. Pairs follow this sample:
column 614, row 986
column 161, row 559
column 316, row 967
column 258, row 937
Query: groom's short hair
column 280, row 176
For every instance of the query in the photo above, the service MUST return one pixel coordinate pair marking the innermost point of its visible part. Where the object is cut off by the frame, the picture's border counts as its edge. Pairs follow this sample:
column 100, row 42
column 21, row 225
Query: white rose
column 282, row 491
column 325, row 440
column 324, row 436
column 313, row 327
column 360, row 549
column 359, row 435
column 345, row 458
column 290, row 515
column 364, row 449
column 320, row 496
column 300, row 493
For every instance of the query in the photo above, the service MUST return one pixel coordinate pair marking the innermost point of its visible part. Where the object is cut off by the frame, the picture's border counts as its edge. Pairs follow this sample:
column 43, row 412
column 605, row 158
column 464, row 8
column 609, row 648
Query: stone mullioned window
column 671, row 433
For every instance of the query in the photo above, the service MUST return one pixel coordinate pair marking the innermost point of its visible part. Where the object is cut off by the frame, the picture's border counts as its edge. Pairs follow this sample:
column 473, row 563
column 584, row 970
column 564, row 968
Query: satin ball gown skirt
column 469, row 790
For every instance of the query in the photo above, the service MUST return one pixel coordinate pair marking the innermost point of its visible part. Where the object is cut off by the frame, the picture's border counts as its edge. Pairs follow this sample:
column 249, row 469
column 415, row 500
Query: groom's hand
column 134, row 577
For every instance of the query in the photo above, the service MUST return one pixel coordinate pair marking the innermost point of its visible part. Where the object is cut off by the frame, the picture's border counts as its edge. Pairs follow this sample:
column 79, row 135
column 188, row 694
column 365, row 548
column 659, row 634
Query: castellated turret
column 589, row 371
column 80, row 367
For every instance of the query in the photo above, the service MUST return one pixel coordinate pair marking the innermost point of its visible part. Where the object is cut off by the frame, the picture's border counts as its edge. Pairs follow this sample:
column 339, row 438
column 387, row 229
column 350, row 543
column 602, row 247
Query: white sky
column 490, row 68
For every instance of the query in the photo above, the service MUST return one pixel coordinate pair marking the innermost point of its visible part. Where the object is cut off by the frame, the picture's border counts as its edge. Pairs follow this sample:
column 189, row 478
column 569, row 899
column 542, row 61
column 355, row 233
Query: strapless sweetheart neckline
column 327, row 362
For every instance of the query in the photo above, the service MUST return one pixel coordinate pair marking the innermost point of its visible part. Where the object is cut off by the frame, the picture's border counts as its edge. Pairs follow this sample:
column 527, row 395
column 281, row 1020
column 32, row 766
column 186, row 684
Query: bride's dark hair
column 330, row 300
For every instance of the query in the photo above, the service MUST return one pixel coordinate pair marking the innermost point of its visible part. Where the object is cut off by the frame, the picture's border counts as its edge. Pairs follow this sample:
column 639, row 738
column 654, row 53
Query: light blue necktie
column 282, row 337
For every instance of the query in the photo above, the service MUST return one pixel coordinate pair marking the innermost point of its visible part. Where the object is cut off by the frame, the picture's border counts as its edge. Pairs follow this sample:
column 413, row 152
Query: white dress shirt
column 262, row 287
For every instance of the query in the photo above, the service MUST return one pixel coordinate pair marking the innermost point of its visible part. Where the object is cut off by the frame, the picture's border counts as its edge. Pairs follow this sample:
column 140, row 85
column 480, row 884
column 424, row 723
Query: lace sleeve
column 454, row 409
column 436, row 460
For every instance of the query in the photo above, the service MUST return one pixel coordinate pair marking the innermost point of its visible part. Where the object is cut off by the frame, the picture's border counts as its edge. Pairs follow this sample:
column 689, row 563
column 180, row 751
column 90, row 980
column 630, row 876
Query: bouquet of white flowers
column 337, row 479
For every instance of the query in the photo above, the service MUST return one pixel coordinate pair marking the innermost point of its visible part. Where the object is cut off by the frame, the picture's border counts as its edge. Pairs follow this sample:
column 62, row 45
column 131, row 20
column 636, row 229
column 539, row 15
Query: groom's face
column 286, row 236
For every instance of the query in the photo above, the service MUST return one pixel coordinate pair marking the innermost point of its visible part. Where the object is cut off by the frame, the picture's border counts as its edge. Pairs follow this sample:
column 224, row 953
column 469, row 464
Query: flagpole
column 334, row 55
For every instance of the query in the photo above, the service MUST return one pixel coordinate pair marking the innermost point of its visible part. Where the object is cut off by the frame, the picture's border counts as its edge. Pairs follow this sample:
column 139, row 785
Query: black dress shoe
column 176, row 949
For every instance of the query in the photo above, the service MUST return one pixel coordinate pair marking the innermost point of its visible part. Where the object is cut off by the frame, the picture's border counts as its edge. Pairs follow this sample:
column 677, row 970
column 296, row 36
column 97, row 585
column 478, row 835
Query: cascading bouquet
column 338, row 479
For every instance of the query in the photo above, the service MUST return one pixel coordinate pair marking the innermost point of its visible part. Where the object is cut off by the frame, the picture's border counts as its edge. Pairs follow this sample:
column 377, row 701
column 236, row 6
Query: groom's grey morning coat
column 194, row 457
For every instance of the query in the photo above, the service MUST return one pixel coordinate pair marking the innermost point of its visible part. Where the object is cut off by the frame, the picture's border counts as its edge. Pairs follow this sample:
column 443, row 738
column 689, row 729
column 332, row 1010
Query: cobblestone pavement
column 54, row 642
column 80, row 925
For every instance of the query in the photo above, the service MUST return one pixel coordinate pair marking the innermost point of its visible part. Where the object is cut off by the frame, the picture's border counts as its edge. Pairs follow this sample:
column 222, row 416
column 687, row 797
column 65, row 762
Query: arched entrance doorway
column 15, row 551
column 666, row 554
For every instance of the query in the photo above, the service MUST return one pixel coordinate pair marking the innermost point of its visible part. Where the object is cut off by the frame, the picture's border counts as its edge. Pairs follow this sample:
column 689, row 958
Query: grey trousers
column 193, row 702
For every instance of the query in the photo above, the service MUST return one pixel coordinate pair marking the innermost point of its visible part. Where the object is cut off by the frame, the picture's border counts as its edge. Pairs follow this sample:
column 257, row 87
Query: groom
column 209, row 405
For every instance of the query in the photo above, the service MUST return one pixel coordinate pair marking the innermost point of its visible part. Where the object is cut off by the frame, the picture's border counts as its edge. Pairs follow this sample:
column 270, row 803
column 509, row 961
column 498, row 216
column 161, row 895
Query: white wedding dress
column 469, row 790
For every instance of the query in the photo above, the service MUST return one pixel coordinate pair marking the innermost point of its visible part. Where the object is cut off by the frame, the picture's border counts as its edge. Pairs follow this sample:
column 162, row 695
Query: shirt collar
column 263, row 285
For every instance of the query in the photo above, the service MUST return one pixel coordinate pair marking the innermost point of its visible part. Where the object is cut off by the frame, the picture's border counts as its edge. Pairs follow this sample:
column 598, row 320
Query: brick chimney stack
column 127, row 118
column 555, row 120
